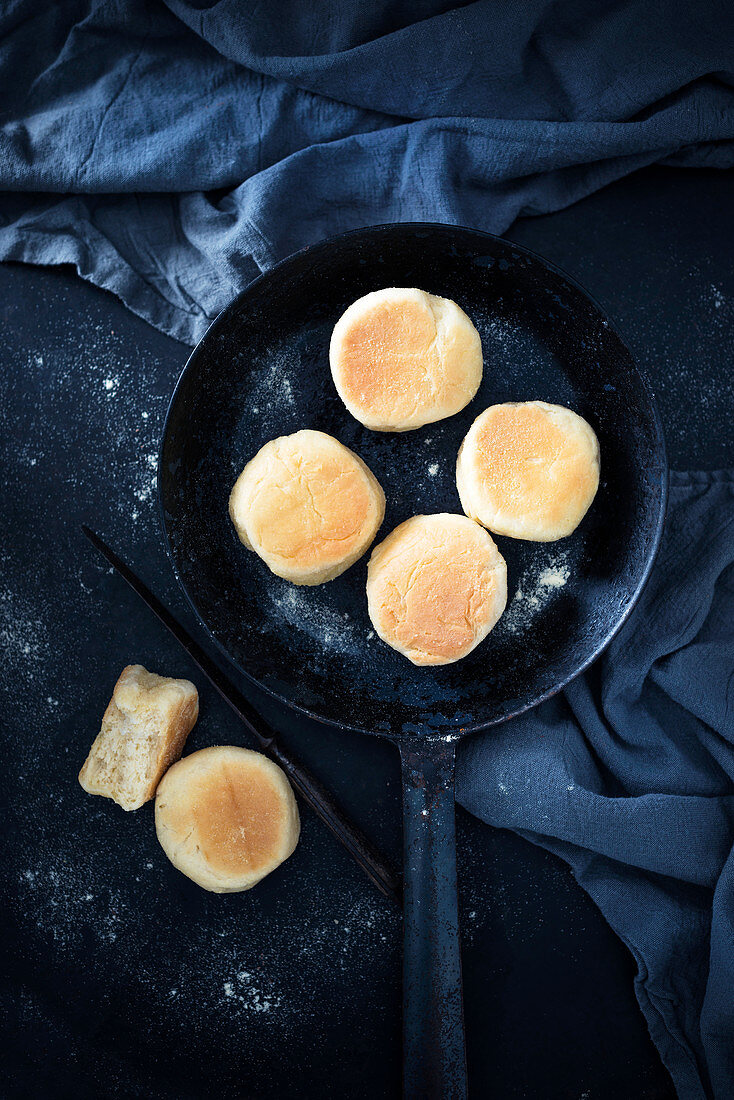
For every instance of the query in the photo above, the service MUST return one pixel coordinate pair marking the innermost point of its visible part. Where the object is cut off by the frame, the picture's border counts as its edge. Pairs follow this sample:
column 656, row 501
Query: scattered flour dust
column 104, row 389
column 248, row 994
column 146, row 471
column 333, row 629
column 553, row 576
column 144, row 476
column 64, row 898
column 217, row 974
column 537, row 586
column 23, row 635
column 271, row 393
column 26, row 650
column 364, row 921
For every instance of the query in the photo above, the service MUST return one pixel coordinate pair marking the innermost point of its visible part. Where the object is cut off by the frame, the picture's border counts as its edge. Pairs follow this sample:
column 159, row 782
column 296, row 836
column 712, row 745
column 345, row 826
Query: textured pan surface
column 262, row 370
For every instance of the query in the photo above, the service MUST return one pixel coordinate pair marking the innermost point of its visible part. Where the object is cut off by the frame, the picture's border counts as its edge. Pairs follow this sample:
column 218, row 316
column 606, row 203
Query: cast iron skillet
column 262, row 370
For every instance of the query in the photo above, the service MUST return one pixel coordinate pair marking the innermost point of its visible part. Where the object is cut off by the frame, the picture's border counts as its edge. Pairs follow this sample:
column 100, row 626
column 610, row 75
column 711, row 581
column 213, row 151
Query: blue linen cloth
column 172, row 152
column 629, row 776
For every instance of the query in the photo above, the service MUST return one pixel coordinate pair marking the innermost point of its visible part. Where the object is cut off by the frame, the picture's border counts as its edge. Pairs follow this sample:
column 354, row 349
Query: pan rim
column 659, row 446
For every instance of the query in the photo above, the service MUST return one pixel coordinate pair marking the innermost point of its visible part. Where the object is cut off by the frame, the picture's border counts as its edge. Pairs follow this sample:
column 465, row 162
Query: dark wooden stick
column 317, row 797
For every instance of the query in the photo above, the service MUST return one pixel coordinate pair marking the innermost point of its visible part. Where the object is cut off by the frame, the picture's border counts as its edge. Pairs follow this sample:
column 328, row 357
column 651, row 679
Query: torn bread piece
column 144, row 730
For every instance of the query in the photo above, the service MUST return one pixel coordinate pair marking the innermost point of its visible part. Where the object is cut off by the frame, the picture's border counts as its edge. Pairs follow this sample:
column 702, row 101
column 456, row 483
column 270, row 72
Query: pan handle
column 434, row 1059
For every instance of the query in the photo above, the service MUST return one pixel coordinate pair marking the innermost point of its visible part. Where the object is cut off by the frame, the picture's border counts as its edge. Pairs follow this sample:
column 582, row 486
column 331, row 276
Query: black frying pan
column 262, row 370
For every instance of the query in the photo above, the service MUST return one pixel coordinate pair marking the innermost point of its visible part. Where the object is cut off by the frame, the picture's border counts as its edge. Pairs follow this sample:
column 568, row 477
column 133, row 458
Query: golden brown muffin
column 144, row 729
column 435, row 588
column 401, row 358
column 226, row 817
column 528, row 470
column 308, row 506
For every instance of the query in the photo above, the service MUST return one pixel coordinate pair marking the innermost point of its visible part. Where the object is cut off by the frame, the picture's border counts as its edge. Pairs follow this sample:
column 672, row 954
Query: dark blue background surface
column 124, row 980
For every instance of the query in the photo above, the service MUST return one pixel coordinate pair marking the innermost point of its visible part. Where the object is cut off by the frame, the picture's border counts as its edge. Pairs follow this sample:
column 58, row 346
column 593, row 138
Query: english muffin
column 401, row 358
column 528, row 470
column 435, row 588
column 226, row 817
column 308, row 506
